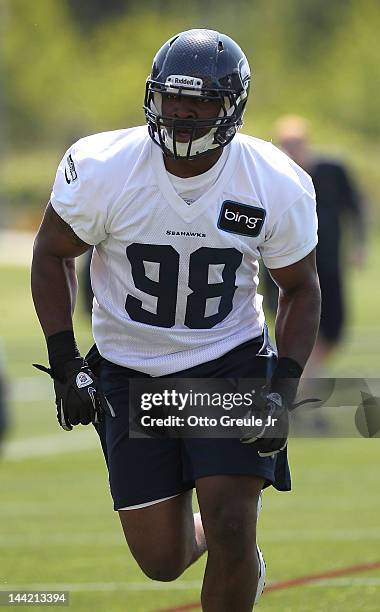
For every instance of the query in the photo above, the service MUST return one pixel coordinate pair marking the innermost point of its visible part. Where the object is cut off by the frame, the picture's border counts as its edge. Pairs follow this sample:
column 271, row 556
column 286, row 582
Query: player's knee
column 162, row 573
column 232, row 533
column 165, row 568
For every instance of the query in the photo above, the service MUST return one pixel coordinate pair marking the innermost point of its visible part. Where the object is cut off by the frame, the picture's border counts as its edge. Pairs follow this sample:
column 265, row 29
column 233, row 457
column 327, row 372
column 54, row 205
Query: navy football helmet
column 200, row 63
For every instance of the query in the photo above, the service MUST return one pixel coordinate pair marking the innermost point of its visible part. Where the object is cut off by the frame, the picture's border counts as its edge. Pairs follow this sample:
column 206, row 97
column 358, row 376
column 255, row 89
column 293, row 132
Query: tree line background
column 70, row 68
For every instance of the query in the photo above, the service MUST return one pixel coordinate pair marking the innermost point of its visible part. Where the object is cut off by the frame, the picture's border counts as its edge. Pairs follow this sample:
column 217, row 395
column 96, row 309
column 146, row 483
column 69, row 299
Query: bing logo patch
column 241, row 219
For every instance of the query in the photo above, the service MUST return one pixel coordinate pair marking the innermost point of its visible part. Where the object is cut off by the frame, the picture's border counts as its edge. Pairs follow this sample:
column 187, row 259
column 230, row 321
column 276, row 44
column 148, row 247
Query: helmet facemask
column 219, row 130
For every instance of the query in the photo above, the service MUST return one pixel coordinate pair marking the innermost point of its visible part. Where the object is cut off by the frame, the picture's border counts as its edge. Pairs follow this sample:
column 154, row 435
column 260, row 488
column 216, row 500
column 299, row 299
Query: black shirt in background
column 337, row 202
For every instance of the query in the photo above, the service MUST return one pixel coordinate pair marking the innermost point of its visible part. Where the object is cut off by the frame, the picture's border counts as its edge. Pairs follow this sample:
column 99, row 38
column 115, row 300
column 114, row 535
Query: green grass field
column 58, row 529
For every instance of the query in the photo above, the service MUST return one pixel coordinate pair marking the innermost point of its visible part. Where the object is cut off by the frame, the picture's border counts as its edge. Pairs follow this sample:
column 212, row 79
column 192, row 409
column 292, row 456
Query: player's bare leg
column 229, row 514
column 164, row 538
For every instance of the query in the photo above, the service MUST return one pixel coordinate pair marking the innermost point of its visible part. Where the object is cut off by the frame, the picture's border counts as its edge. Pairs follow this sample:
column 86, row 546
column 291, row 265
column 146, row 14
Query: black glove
column 271, row 437
column 274, row 402
column 77, row 396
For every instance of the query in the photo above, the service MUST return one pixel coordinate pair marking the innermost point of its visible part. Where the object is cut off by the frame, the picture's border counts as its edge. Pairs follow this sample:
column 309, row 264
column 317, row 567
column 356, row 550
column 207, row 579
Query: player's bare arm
column 54, row 283
column 54, row 289
column 297, row 322
column 298, row 312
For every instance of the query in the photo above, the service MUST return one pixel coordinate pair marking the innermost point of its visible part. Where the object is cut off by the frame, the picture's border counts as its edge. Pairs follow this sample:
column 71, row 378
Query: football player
column 179, row 212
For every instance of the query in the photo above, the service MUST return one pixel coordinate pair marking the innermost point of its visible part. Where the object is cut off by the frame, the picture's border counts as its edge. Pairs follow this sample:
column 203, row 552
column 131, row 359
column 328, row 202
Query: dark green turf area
column 58, row 529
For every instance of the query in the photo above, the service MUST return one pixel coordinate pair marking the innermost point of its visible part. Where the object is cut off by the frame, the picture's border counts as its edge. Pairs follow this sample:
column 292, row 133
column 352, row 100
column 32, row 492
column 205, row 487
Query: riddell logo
column 241, row 218
column 182, row 80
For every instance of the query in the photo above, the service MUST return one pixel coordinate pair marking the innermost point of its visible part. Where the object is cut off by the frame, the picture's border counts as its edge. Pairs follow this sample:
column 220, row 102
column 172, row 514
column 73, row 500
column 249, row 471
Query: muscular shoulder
column 102, row 156
column 95, row 169
column 287, row 194
column 278, row 178
column 92, row 176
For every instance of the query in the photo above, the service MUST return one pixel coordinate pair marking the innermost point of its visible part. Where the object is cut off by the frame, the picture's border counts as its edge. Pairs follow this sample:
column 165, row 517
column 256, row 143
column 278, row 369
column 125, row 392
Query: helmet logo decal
column 174, row 81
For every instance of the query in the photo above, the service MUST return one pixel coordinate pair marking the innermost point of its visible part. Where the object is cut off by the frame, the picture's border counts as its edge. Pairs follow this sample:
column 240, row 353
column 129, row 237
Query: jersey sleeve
column 76, row 197
column 293, row 235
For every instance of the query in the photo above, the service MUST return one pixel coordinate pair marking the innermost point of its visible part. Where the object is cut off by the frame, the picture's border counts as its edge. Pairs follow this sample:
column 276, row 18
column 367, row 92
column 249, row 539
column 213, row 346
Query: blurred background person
column 339, row 206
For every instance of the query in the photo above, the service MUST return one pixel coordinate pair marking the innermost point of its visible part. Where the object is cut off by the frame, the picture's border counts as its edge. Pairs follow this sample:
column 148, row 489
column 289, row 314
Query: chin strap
column 198, row 146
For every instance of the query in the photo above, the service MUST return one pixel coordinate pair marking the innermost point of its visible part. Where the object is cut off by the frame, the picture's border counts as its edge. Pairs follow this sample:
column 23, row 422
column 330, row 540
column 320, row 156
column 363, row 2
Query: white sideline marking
column 178, row 585
column 53, row 444
column 114, row 539
column 351, row 534
column 31, row 389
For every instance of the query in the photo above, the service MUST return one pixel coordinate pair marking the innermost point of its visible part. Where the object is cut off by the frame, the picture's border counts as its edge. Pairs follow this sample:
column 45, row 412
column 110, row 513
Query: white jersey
column 175, row 284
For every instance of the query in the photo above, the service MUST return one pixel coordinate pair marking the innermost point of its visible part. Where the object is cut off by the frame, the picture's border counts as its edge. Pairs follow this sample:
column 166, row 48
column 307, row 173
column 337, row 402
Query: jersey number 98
column 166, row 287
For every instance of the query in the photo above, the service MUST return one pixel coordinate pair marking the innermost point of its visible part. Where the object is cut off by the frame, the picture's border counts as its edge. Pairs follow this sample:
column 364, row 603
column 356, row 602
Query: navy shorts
column 145, row 470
